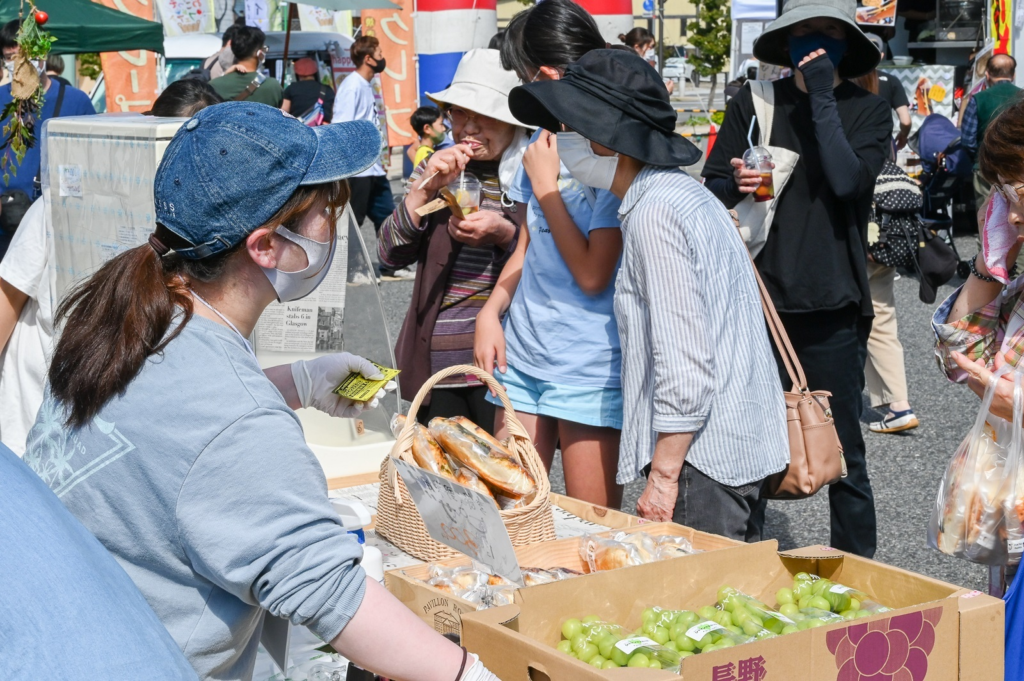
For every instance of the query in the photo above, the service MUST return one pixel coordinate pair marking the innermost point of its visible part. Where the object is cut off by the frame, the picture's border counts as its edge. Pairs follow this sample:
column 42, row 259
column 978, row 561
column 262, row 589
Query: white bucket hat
column 481, row 86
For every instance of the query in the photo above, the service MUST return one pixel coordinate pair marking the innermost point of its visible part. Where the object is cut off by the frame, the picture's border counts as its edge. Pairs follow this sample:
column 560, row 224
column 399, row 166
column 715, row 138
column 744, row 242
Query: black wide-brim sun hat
column 772, row 46
column 611, row 97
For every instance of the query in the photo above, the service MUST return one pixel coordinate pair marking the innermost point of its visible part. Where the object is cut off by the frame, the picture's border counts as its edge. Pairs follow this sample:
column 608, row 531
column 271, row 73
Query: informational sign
column 394, row 29
column 465, row 520
column 341, row 63
column 749, row 32
column 929, row 89
column 130, row 76
column 876, row 12
column 258, row 13
column 186, row 17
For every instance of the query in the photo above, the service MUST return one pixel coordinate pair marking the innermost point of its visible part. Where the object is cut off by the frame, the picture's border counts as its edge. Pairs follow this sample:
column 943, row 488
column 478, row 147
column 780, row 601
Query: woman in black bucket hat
column 702, row 405
column 814, row 261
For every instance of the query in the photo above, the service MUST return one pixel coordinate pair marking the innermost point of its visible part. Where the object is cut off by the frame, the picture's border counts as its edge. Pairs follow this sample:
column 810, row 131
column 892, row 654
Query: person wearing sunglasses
column 980, row 326
column 458, row 260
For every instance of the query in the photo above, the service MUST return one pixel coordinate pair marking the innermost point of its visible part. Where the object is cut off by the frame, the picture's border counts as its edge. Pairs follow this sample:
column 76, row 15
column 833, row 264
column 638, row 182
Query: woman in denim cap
column 161, row 433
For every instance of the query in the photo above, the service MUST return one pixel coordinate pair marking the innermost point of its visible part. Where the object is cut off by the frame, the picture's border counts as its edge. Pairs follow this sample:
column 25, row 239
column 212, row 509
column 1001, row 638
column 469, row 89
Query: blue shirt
column 1014, row 635
column 199, row 481
column 76, row 103
column 695, row 352
column 69, row 610
column 554, row 331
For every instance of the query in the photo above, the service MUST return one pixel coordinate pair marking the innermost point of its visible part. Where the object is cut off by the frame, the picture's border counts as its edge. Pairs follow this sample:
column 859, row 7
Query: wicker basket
column 400, row 523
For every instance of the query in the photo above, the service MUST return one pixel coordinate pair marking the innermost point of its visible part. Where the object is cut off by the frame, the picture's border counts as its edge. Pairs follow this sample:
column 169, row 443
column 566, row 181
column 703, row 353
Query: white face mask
column 297, row 285
column 649, row 54
column 586, row 166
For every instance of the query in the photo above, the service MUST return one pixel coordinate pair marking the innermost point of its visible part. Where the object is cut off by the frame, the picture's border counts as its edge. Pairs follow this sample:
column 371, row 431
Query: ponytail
column 114, row 320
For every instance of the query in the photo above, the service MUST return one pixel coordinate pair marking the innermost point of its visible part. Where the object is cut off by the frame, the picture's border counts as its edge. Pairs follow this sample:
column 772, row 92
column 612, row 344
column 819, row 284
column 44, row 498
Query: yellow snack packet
column 360, row 389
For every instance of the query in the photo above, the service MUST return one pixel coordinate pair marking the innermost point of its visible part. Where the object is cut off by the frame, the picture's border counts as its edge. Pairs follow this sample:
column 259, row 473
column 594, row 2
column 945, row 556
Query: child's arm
column 489, row 341
column 12, row 301
column 590, row 260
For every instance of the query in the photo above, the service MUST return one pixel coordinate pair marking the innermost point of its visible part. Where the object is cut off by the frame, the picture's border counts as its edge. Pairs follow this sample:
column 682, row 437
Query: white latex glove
column 316, row 379
column 477, row 671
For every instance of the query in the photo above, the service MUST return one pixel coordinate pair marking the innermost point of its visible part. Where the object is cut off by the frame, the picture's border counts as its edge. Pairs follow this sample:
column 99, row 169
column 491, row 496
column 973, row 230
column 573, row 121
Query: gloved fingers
column 366, row 368
column 390, row 387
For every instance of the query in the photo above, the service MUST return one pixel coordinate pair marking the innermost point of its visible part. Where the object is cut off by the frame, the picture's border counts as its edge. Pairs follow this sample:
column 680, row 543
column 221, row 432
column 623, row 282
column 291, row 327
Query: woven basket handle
column 403, row 444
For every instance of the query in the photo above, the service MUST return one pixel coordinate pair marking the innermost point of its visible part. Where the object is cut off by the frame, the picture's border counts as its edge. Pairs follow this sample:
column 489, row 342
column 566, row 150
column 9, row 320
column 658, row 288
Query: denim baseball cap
column 232, row 166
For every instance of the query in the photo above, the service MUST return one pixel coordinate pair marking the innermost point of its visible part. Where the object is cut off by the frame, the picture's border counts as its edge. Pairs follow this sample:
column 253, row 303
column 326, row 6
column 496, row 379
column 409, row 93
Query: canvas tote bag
column 755, row 218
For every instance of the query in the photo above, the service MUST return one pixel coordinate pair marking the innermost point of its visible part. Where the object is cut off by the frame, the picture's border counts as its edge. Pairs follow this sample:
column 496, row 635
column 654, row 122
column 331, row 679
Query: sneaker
column 403, row 274
column 895, row 422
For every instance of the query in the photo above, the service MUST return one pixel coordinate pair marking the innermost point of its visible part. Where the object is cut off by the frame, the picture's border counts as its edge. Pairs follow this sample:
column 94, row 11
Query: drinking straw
column 750, row 132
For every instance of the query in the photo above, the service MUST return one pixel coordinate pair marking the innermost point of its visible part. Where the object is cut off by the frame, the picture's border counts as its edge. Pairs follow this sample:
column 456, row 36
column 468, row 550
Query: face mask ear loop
column 506, row 201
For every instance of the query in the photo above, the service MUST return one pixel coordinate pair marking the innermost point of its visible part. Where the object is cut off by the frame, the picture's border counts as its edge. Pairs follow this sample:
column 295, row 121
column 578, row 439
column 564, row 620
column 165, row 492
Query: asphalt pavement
column 905, row 469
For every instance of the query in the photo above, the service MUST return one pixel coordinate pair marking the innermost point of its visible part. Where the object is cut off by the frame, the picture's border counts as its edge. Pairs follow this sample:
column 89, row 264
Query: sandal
column 895, row 422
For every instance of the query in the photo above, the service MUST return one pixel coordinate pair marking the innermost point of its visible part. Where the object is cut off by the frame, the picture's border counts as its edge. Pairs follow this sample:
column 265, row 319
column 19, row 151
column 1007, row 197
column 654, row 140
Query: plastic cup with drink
column 466, row 191
column 760, row 159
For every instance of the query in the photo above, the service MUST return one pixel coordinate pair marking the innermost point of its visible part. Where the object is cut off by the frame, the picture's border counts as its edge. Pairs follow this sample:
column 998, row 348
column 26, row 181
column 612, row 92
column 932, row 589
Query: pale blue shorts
column 601, row 407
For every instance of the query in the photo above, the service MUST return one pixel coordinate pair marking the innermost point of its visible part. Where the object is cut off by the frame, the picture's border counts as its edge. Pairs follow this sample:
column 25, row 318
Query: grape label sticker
column 628, row 645
column 839, row 589
column 699, row 631
column 461, row 518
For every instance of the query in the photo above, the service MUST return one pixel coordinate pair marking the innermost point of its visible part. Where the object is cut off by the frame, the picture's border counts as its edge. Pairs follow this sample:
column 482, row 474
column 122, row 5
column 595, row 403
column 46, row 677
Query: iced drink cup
column 760, row 159
column 466, row 190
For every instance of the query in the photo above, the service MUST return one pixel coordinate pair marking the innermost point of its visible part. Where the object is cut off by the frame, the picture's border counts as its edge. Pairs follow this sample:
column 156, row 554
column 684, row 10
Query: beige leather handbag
column 815, row 453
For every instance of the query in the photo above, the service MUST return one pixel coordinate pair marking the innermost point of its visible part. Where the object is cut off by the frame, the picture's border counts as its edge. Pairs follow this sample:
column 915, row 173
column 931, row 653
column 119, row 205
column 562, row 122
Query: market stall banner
column 876, row 12
column 394, row 29
column 325, row 20
column 185, row 17
column 445, row 30
column 929, row 89
column 1001, row 30
column 130, row 75
column 613, row 17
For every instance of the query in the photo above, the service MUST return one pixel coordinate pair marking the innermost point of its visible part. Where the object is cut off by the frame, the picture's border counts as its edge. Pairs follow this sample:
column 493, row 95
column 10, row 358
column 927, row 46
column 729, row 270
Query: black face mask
column 380, row 65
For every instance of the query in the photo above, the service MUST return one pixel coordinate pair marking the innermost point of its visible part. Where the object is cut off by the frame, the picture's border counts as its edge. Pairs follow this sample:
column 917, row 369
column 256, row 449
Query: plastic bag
column 812, row 593
column 979, row 510
column 425, row 451
column 752, row 616
column 670, row 546
column 606, row 646
column 487, row 591
column 535, row 576
column 621, row 550
column 502, row 473
column 691, row 632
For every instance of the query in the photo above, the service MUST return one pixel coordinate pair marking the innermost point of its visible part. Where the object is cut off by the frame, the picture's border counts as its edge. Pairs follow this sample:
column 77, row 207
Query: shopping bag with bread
column 979, row 511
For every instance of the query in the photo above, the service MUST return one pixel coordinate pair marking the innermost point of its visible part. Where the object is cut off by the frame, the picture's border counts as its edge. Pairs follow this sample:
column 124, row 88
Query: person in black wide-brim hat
column 694, row 346
column 814, row 261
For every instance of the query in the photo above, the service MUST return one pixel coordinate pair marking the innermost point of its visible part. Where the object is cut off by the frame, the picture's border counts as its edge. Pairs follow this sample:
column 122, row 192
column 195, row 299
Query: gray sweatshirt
column 199, row 481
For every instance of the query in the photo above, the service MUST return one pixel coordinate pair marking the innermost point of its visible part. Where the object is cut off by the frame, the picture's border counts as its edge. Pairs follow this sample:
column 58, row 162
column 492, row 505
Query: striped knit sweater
column 471, row 280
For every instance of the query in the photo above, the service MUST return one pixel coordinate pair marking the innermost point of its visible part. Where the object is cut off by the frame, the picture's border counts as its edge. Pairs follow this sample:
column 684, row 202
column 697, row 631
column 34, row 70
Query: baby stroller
column 946, row 167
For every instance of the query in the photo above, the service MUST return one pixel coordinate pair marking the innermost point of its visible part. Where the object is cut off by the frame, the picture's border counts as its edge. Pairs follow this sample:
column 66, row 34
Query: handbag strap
column 781, row 338
column 763, row 93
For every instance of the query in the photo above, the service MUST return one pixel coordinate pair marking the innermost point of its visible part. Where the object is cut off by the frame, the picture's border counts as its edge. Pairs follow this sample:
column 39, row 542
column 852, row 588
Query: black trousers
column 468, row 402
column 832, row 347
column 371, row 197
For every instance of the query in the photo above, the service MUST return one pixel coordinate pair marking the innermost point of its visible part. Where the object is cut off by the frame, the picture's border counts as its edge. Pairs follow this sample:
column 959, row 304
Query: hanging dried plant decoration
column 27, row 92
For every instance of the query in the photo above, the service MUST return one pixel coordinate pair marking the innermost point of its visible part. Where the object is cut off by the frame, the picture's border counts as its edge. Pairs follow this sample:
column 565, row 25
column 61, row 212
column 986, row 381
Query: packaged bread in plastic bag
column 496, row 467
column 621, row 550
column 979, row 511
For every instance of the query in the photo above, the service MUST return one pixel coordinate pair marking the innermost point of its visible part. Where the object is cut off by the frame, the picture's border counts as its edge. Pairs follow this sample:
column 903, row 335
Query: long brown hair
column 1002, row 150
column 122, row 314
column 869, row 82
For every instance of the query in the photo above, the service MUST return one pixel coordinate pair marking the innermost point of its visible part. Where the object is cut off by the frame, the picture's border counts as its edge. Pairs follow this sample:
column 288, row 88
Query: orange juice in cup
column 759, row 158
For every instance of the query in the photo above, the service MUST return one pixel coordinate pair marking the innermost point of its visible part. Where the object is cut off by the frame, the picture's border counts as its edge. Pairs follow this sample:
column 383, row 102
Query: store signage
column 130, row 75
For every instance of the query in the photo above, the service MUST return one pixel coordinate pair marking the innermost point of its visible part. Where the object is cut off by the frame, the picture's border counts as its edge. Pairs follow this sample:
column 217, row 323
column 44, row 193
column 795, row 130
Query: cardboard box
column 600, row 515
column 949, row 633
column 443, row 611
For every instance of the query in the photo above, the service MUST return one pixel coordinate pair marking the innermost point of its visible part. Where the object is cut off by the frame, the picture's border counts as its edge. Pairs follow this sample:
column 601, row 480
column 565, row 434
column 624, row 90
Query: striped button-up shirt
column 695, row 350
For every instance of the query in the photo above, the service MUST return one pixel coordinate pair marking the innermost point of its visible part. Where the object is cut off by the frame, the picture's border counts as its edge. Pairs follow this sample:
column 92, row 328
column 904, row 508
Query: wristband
column 462, row 667
column 974, row 270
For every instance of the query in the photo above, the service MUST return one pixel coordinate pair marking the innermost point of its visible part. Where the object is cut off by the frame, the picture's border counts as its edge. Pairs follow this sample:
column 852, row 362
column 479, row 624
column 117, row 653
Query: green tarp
column 84, row 26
